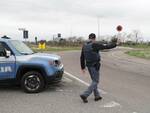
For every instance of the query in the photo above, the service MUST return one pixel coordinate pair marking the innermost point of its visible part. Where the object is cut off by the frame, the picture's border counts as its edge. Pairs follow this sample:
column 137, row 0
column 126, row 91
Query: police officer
column 91, row 58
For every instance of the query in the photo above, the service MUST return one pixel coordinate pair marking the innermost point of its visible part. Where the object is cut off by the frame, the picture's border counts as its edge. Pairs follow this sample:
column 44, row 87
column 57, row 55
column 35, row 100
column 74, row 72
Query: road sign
column 25, row 34
column 59, row 35
column 36, row 40
column 119, row 28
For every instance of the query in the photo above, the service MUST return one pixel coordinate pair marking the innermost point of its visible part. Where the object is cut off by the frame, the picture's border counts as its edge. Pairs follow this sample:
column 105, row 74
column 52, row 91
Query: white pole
column 98, row 23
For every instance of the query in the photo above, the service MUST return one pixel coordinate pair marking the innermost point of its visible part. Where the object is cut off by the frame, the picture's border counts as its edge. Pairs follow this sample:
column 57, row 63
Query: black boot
column 98, row 98
column 84, row 98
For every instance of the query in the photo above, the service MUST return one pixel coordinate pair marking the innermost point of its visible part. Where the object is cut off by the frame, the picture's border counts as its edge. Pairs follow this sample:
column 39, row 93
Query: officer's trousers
column 94, row 73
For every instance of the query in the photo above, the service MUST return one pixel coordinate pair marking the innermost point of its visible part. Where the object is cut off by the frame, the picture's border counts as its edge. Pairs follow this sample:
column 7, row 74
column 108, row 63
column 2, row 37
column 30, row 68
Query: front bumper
column 56, row 77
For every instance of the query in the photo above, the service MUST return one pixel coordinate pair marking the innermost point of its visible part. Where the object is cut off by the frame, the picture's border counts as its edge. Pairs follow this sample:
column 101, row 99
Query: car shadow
column 9, row 87
column 16, row 88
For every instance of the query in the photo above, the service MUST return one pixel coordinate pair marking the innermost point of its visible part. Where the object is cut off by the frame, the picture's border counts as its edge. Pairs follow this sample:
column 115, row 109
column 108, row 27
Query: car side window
column 2, row 50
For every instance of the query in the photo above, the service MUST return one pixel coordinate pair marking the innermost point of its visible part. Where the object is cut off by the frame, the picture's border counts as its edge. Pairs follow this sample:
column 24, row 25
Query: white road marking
column 62, row 90
column 59, row 90
column 111, row 104
column 83, row 82
column 67, row 79
column 108, row 105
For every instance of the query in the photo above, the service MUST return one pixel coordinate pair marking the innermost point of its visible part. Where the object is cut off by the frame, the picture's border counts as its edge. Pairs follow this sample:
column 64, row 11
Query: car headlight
column 55, row 62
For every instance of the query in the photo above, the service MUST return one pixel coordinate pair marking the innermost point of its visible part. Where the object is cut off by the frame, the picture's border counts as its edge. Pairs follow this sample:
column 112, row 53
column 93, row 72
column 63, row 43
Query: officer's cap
column 92, row 36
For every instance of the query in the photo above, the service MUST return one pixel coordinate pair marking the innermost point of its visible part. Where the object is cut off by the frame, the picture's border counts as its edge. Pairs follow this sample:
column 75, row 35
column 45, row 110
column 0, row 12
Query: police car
column 33, row 71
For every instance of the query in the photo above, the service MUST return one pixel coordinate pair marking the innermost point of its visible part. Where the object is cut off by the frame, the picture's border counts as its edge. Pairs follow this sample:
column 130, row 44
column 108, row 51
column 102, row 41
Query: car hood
column 46, row 56
column 38, row 57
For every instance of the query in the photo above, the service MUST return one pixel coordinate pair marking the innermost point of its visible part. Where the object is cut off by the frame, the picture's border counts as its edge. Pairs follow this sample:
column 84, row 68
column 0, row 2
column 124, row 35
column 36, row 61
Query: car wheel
column 32, row 82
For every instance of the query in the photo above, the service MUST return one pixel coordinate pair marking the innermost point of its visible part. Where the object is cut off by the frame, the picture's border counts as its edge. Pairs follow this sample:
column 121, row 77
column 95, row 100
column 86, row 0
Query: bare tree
column 130, row 37
column 137, row 35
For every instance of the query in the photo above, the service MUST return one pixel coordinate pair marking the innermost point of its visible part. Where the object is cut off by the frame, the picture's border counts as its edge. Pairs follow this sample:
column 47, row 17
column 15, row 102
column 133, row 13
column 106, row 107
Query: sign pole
column 119, row 29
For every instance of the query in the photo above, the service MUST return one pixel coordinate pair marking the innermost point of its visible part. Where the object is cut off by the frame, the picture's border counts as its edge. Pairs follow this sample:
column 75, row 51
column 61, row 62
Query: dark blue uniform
column 91, row 58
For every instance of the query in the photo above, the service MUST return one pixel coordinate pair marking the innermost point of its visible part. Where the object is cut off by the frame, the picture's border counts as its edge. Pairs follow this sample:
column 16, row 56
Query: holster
column 97, row 66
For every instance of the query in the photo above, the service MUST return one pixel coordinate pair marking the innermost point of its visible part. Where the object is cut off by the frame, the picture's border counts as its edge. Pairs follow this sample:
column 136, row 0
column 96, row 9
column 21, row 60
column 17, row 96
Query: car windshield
column 21, row 47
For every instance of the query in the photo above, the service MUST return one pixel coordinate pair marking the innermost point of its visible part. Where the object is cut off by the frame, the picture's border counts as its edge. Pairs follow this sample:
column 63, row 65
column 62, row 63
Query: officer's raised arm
column 99, row 46
column 104, row 46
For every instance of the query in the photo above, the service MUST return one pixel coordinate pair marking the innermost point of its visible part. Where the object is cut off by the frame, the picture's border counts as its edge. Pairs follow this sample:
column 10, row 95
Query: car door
column 7, row 65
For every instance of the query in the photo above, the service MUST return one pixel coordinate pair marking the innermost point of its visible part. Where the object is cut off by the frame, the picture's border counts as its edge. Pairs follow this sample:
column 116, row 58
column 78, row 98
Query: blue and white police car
column 33, row 71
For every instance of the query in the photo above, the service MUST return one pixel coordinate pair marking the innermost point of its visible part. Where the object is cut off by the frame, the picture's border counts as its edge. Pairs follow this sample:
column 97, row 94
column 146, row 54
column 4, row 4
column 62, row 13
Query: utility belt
column 95, row 64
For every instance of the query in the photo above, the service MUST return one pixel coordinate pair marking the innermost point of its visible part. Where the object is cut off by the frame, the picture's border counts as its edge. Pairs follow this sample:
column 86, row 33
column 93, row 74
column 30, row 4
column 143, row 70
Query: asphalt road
column 124, row 83
column 125, row 79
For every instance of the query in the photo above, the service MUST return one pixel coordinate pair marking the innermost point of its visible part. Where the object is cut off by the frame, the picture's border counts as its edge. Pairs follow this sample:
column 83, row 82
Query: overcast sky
column 43, row 18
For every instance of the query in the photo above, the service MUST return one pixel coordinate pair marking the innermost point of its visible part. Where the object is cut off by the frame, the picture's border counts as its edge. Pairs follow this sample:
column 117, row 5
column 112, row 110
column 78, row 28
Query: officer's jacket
column 90, row 53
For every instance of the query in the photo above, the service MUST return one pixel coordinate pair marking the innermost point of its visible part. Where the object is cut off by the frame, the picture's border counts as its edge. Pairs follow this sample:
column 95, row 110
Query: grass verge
column 55, row 49
column 145, row 53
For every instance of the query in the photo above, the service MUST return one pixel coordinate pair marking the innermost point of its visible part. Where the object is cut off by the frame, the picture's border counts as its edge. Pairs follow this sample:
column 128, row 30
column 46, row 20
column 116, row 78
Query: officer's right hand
column 118, row 42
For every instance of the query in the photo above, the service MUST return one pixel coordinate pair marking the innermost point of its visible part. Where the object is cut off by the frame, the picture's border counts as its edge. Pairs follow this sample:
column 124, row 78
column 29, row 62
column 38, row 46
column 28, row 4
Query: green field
column 54, row 49
column 138, row 46
column 140, row 53
column 141, row 50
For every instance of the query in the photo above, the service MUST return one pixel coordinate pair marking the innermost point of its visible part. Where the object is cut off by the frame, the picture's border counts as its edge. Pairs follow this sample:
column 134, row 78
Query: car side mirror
column 8, row 54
